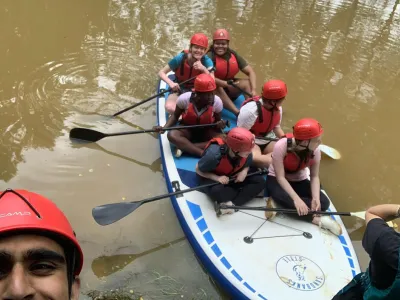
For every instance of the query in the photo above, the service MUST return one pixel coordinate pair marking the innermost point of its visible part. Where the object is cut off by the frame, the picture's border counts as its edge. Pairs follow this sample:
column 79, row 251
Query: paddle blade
column 358, row 214
column 111, row 213
column 331, row 152
column 86, row 134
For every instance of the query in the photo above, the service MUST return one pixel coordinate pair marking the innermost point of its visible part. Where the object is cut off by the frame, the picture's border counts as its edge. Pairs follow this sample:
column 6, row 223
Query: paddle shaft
column 192, row 189
column 150, row 98
column 285, row 210
column 164, row 129
column 230, row 82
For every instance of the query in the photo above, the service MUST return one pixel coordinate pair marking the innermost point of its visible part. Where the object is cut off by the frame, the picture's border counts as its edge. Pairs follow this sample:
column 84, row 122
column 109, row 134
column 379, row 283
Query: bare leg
column 269, row 148
column 181, row 139
column 170, row 104
column 244, row 84
column 228, row 104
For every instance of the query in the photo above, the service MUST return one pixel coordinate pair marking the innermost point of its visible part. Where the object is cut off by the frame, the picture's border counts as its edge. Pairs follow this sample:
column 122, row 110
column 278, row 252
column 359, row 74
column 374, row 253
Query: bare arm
column 277, row 162
column 387, row 212
column 163, row 75
column 315, row 182
column 217, row 117
column 208, row 175
column 278, row 131
column 252, row 76
column 220, row 82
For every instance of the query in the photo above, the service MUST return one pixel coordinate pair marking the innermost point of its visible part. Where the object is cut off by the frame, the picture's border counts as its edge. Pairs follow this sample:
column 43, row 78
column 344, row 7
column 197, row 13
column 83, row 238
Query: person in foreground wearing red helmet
column 287, row 182
column 227, row 65
column 262, row 116
column 187, row 64
column 227, row 157
column 381, row 281
column 200, row 107
column 40, row 257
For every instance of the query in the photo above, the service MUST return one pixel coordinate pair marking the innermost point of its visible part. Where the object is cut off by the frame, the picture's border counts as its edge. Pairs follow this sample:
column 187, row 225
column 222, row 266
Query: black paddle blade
column 111, row 213
column 86, row 134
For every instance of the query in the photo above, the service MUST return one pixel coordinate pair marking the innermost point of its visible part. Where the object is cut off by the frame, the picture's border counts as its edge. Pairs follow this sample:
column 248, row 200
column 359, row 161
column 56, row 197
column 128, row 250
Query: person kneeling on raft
column 262, row 116
column 287, row 182
column 200, row 107
column 229, row 157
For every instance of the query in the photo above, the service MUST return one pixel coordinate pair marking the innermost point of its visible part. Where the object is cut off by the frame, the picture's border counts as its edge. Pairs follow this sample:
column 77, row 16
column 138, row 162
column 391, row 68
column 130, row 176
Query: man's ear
column 75, row 288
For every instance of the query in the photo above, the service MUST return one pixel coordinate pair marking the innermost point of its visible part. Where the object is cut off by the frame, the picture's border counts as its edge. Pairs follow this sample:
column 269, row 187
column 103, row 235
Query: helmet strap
column 71, row 259
column 273, row 104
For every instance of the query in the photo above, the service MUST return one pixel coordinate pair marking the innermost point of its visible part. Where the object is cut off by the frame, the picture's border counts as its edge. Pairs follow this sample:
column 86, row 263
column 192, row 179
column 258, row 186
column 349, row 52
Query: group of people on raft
column 41, row 258
column 258, row 141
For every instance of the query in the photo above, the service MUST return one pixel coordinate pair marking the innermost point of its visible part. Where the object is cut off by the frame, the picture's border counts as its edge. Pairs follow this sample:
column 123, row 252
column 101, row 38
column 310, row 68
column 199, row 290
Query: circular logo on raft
column 300, row 273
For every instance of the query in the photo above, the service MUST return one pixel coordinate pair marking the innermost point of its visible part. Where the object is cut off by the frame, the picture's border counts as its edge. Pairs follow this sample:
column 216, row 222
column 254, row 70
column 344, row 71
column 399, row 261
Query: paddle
column 91, row 135
column 110, row 213
column 359, row 214
column 231, row 82
column 329, row 151
column 150, row 98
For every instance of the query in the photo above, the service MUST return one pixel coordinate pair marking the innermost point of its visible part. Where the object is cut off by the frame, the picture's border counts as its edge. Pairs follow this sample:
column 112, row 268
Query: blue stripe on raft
column 351, row 263
column 202, row 225
column 194, row 209
column 347, row 250
column 249, row 287
column 208, row 237
column 342, row 240
column 226, row 263
column 234, row 273
column 262, row 297
column 353, row 272
column 216, row 250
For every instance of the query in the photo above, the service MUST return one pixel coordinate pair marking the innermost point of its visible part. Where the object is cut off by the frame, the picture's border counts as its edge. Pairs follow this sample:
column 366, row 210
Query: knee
column 170, row 107
column 246, row 83
column 258, row 179
column 216, row 191
column 171, row 135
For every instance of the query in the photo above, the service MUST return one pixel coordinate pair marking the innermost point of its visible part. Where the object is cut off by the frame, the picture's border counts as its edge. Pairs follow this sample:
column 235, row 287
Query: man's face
column 33, row 267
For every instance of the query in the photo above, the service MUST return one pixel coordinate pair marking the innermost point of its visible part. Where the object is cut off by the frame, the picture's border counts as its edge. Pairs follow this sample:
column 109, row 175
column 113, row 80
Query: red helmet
column 240, row 140
column 23, row 210
column 306, row 129
column 221, row 34
column 204, row 83
column 274, row 90
column 199, row 39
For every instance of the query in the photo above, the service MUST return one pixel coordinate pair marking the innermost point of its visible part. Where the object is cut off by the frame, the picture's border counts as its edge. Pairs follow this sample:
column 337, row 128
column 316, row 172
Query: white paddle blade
column 331, row 152
column 359, row 214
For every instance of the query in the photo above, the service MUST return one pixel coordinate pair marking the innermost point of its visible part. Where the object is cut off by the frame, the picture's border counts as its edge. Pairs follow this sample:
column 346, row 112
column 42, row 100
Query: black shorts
column 262, row 147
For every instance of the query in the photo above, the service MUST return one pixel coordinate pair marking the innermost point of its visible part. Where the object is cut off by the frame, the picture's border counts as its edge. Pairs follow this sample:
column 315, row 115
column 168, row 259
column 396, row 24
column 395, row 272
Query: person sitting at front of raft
column 262, row 116
column 227, row 65
column 223, row 158
column 187, row 64
column 381, row 281
column 287, row 182
column 200, row 107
